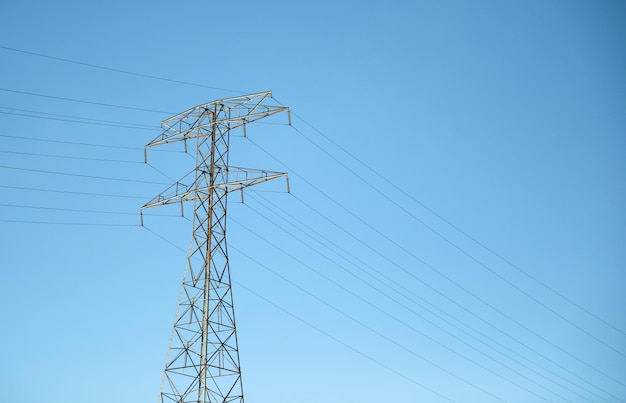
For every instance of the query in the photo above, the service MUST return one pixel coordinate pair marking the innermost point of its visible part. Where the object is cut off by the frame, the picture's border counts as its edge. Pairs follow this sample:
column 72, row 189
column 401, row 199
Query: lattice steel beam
column 203, row 358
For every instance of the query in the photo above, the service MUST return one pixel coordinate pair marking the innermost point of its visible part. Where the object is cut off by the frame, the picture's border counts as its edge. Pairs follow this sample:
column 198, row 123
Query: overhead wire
column 417, row 258
column 82, row 158
column 337, row 340
column 96, row 66
column 84, row 144
column 70, row 223
column 439, row 216
column 72, row 192
column 355, row 320
column 491, row 342
column 463, row 251
column 489, row 323
column 402, row 322
column 377, row 190
column 62, row 209
column 301, row 119
column 461, row 306
column 77, row 158
column 75, row 121
column 113, row 122
column 362, row 324
column 323, row 135
column 82, row 101
column 369, row 328
column 70, row 157
column 84, row 211
column 82, row 176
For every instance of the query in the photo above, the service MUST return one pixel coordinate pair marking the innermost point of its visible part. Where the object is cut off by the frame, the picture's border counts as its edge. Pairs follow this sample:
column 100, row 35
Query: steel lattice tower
column 203, row 358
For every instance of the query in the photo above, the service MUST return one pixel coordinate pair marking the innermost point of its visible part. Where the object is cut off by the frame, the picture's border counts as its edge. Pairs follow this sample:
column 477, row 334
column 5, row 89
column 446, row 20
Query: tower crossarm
column 235, row 178
column 222, row 115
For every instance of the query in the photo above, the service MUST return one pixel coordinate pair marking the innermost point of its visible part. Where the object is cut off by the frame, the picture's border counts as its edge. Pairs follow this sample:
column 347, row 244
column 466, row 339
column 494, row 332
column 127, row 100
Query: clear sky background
column 456, row 229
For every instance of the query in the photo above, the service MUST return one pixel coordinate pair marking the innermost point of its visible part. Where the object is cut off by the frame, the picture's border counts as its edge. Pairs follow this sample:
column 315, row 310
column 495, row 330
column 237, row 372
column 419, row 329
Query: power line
column 378, row 174
column 85, row 144
column 301, row 226
column 74, row 121
column 125, row 124
column 83, row 158
column 462, row 306
column 70, row 157
column 118, row 70
column 463, row 251
column 69, row 142
column 84, row 211
column 395, row 318
column 513, row 338
column 348, row 153
column 72, row 192
column 84, row 101
column 478, row 298
column 439, row 272
column 330, row 336
column 83, row 176
column 418, row 202
column 428, row 227
column 360, row 323
column 70, row 223
column 279, row 274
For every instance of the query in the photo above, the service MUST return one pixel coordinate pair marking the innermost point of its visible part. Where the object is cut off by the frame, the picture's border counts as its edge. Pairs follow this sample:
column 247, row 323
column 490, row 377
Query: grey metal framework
column 203, row 365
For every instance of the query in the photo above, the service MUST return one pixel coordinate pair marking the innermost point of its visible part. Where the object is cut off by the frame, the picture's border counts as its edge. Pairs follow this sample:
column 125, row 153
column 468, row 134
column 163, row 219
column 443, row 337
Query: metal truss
column 203, row 358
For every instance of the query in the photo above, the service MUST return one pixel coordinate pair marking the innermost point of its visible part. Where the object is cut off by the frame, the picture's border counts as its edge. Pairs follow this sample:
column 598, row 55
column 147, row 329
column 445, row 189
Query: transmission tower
column 203, row 365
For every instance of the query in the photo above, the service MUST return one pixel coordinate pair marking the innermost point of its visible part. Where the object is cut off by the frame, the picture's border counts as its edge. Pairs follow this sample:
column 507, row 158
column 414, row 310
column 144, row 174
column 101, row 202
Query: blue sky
column 455, row 232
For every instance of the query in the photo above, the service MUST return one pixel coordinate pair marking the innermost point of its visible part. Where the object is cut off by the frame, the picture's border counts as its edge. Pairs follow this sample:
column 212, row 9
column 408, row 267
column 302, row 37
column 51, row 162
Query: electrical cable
column 487, row 322
column 234, row 248
column 381, row 275
column 69, row 142
column 88, row 159
column 395, row 318
column 429, row 266
column 118, row 70
column 370, row 169
column 84, row 144
column 138, row 125
column 83, row 101
column 72, row 192
column 70, row 157
column 83, row 176
column 84, row 211
column 388, row 198
column 472, row 238
column 333, row 142
column 337, row 340
column 365, row 326
column 70, row 223
column 461, row 306
column 463, row 251
column 75, row 121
